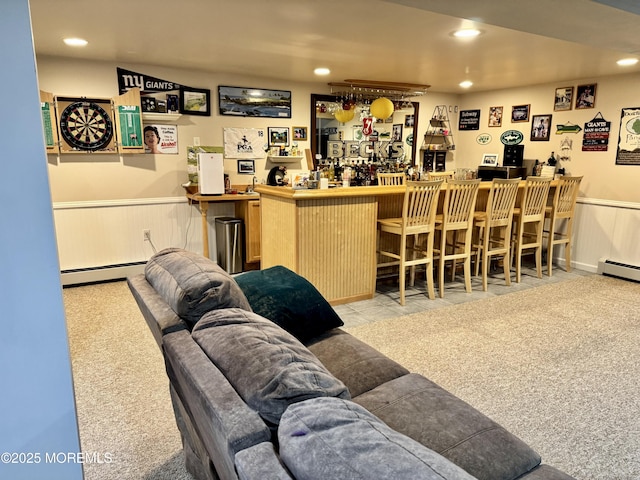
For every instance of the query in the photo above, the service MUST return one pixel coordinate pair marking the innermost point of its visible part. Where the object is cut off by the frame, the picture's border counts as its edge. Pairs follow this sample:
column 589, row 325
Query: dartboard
column 86, row 126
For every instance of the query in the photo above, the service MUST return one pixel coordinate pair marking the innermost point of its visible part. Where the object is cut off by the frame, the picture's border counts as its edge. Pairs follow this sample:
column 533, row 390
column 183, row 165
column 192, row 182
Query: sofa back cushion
column 192, row 284
column 291, row 301
column 333, row 438
column 269, row 368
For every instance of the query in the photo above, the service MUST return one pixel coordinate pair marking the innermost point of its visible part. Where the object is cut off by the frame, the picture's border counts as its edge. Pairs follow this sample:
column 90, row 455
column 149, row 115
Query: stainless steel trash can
column 229, row 243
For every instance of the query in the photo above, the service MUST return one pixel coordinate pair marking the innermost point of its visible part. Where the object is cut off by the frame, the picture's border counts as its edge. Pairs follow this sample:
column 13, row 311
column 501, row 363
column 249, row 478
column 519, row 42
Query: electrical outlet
column 146, row 234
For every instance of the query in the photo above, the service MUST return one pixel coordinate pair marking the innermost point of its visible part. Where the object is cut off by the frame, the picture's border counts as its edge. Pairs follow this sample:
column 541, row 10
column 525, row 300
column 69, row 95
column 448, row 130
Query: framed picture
column 564, row 99
column 495, row 116
column 397, row 132
column 300, row 133
column 540, row 128
column 520, row 113
column 409, row 120
column 586, row 96
column 278, row 136
column 254, row 102
column 195, row 101
column 490, row 159
column 246, row 167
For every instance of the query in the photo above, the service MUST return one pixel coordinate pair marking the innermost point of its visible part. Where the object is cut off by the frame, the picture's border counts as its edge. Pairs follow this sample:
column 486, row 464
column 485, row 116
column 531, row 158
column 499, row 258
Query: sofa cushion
column 360, row 366
column 326, row 438
column 289, row 300
column 192, row 284
column 268, row 367
column 437, row 419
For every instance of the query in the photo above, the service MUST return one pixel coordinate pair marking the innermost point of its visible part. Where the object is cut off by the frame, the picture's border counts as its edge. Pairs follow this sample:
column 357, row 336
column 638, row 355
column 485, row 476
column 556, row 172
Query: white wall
column 37, row 409
column 603, row 179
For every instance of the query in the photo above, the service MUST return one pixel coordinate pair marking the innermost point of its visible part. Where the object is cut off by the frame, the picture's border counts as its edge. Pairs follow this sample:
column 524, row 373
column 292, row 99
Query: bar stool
column 562, row 210
column 439, row 175
column 391, row 179
column 456, row 219
column 494, row 227
column 418, row 219
column 528, row 219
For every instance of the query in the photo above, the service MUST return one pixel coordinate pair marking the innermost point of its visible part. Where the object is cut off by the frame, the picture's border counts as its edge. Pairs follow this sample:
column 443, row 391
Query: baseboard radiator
column 618, row 269
column 81, row 276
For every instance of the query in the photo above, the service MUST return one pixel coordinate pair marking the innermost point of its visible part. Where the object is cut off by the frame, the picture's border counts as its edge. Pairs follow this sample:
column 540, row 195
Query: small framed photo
column 586, row 96
column 300, row 133
column 409, row 120
column 278, row 136
column 495, row 116
column 247, row 167
column 397, row 132
column 564, row 99
column 195, row 101
column 520, row 113
column 490, row 159
column 540, row 128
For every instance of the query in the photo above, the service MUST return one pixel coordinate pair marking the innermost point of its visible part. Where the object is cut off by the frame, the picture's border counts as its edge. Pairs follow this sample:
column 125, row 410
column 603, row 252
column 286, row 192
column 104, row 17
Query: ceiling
column 523, row 42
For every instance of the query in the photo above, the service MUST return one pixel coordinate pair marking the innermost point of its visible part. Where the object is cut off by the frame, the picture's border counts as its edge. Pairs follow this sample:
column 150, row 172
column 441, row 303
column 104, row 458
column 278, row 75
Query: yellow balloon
column 344, row 116
column 381, row 108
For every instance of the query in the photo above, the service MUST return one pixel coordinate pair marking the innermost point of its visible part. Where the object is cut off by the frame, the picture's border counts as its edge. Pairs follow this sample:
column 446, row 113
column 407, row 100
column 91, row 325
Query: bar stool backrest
column 534, row 198
column 564, row 200
column 501, row 201
column 459, row 203
column 387, row 179
column 420, row 205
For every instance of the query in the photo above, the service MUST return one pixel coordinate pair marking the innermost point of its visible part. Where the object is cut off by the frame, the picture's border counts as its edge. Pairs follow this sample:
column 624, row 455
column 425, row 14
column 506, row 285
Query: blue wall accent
column 37, row 407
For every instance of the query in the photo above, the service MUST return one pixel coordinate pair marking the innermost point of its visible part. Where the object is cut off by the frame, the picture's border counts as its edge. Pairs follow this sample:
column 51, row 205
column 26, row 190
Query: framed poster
column 300, row 133
column 540, row 128
column 469, row 120
column 195, row 101
column 495, row 116
column 278, row 136
column 246, row 167
column 254, row 102
column 520, row 113
column 585, row 96
column 160, row 138
column 563, row 99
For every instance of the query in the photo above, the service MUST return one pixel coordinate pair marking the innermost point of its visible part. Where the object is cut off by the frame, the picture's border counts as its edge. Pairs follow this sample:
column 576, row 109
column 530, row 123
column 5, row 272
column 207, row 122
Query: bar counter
column 329, row 235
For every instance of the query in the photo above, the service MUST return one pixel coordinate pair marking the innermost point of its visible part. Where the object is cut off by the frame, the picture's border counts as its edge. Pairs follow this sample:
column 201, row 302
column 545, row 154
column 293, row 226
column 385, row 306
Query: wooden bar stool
column 391, row 179
column 562, row 211
column 416, row 230
column 494, row 227
column 528, row 219
column 456, row 219
column 439, row 175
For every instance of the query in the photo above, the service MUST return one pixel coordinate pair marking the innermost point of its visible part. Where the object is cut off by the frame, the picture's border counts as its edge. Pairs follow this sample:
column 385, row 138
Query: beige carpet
column 122, row 390
column 557, row 365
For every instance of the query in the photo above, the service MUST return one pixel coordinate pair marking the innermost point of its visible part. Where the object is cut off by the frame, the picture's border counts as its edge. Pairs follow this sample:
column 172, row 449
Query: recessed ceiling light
column 75, row 42
column 625, row 62
column 466, row 33
column 466, row 84
column 322, row 71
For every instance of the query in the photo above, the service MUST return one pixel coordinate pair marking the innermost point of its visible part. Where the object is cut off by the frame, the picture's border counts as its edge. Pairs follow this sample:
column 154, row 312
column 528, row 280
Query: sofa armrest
column 260, row 462
column 224, row 423
column 159, row 316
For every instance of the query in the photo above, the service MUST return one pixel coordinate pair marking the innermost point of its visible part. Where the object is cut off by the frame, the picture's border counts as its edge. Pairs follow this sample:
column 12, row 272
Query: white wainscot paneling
column 93, row 235
column 604, row 229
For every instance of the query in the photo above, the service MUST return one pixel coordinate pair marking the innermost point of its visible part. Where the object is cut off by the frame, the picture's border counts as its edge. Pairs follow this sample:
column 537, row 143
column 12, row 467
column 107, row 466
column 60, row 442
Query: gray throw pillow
column 269, row 368
column 192, row 284
column 326, row 438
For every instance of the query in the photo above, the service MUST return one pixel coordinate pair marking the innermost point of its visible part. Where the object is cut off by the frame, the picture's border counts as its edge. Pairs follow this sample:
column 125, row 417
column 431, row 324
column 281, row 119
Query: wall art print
column 254, row 102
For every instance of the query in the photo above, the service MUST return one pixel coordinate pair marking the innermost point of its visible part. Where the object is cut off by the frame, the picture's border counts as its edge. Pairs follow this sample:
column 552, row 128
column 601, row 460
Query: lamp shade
column 381, row 108
column 344, row 116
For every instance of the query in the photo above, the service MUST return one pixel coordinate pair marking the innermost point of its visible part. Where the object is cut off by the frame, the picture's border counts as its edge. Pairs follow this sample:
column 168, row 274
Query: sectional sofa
column 266, row 385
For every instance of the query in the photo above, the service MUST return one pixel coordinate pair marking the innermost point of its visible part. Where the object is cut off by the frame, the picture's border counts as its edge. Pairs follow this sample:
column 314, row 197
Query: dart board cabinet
column 86, row 125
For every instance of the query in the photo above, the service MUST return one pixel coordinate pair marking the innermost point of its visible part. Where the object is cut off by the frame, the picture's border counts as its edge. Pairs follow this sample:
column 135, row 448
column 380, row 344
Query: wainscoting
column 104, row 240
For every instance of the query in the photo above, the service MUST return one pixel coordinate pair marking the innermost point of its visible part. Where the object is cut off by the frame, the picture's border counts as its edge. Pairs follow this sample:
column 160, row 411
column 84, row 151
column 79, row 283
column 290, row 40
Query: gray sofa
column 266, row 385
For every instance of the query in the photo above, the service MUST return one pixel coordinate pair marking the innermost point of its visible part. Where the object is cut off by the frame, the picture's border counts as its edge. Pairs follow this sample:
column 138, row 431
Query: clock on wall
column 86, row 125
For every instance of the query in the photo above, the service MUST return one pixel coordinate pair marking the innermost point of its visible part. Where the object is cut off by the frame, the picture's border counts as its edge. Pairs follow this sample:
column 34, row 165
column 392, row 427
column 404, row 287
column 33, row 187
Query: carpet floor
column 556, row 365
